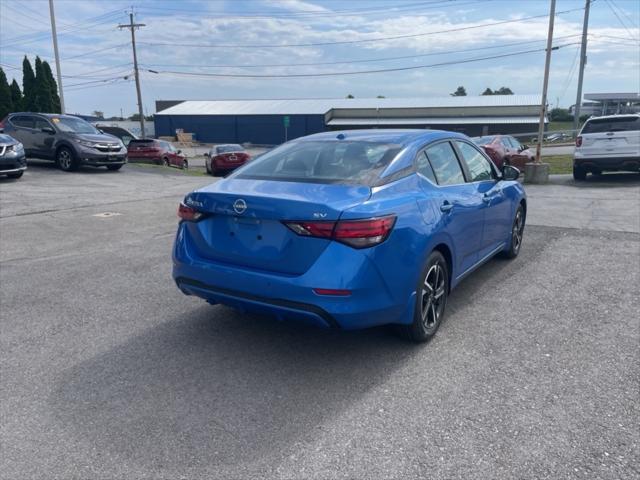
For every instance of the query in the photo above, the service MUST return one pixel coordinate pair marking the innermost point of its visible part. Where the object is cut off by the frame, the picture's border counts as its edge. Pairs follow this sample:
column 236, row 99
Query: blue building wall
column 256, row 129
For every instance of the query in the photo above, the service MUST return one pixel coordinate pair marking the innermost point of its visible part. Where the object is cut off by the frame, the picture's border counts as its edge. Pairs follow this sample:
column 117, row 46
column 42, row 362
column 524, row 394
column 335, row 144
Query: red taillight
column 188, row 214
column 578, row 141
column 355, row 233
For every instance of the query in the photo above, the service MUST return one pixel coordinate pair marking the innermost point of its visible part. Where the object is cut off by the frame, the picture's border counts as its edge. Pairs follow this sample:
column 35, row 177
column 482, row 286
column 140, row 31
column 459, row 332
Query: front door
column 488, row 187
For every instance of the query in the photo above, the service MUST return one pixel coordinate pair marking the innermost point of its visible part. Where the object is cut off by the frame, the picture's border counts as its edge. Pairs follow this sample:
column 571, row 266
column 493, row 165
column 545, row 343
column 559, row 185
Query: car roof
column 385, row 135
column 619, row 115
column 46, row 115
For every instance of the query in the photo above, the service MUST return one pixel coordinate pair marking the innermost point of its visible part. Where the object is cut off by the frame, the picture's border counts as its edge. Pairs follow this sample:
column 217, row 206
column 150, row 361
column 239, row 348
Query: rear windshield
column 229, row 148
column 483, row 140
column 620, row 124
column 348, row 162
column 145, row 142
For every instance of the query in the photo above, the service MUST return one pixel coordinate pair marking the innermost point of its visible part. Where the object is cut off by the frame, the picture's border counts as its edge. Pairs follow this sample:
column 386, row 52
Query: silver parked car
column 13, row 161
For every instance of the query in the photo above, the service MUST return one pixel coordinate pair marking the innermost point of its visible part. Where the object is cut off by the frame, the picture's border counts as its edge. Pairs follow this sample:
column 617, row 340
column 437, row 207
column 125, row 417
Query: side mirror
column 179, row 151
column 48, row 130
column 206, row 154
column 510, row 172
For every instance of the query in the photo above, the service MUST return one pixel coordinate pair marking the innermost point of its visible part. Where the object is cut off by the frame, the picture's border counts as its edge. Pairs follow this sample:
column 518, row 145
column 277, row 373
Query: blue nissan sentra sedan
column 350, row 229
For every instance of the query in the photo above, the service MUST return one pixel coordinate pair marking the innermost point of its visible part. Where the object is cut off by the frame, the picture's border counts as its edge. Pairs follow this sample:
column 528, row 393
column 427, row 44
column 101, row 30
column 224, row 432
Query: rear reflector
column 332, row 291
column 188, row 214
column 355, row 233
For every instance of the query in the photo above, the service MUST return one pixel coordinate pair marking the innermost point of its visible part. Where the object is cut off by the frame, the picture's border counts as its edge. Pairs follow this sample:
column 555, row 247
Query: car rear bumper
column 608, row 163
column 373, row 301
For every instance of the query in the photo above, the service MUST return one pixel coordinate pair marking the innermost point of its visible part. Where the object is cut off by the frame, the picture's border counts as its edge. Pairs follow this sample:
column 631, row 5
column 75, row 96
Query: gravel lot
column 107, row 371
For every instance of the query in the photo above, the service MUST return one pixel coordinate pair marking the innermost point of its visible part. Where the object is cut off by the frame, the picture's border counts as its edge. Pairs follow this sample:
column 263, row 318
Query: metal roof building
column 273, row 121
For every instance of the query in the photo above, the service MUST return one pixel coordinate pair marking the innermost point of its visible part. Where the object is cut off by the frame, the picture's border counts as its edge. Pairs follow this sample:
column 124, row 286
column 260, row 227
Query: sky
column 200, row 49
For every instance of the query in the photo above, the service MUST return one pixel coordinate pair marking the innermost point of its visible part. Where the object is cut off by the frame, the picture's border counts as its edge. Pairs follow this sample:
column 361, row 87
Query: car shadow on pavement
column 222, row 390
column 219, row 387
column 608, row 179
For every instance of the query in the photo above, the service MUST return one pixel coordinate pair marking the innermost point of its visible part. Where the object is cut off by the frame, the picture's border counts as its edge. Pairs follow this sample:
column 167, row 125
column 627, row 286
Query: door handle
column 446, row 207
column 486, row 198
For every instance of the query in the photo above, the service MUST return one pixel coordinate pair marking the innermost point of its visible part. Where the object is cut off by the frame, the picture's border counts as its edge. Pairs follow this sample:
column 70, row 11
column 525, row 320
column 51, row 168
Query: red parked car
column 156, row 151
column 505, row 149
column 224, row 158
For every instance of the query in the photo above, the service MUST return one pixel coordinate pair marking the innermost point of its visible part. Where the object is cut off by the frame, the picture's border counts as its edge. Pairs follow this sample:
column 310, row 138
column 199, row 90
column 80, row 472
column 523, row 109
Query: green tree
column 350, row 96
column 487, row 91
column 560, row 115
column 29, row 87
column 42, row 89
column 460, row 92
column 381, row 96
column 503, row 91
column 53, row 88
column 6, row 105
column 16, row 96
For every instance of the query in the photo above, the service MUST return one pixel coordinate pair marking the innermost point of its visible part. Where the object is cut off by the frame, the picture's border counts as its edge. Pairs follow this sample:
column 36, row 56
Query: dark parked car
column 156, row 151
column 13, row 161
column 224, row 158
column 504, row 149
column 122, row 133
column 68, row 140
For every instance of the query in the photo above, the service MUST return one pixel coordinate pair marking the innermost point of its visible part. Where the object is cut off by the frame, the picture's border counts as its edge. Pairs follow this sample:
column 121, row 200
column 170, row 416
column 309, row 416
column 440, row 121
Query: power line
column 624, row 25
column 368, row 60
column 324, row 13
column 345, row 42
column 623, row 12
column 360, row 72
column 120, row 45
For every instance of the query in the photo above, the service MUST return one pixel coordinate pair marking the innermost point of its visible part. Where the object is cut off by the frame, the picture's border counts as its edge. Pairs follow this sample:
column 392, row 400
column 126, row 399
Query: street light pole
column 583, row 61
column 132, row 26
column 545, row 83
column 54, row 34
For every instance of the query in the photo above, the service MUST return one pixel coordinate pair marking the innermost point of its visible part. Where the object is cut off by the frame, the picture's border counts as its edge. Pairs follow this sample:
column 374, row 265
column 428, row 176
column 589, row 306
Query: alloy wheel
column 434, row 295
column 517, row 231
column 64, row 159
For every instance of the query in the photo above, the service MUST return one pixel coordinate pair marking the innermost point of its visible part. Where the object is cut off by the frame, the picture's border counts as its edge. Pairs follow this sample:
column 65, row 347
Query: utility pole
column 132, row 26
column 583, row 61
column 54, row 34
column 545, row 83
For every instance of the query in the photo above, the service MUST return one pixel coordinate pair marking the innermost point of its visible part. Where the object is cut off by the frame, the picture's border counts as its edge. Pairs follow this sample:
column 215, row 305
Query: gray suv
column 68, row 140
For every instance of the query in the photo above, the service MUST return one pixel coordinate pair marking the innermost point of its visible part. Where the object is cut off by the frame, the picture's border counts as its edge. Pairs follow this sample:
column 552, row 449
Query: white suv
column 607, row 143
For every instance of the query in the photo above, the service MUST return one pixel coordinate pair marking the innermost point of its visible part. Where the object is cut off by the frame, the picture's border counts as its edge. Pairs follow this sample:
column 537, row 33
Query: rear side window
column 619, row 124
column 445, row 164
column 424, row 167
column 41, row 123
column 22, row 121
column 351, row 162
column 479, row 167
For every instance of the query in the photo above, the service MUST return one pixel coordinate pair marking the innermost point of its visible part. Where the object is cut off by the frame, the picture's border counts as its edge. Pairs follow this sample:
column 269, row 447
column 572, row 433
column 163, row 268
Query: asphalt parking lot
column 108, row 371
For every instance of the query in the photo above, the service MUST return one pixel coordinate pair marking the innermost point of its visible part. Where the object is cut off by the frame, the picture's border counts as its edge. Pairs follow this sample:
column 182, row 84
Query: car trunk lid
column 244, row 222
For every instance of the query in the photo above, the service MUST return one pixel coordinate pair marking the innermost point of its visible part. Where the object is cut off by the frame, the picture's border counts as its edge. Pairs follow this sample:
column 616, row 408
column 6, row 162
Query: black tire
column 579, row 173
column 114, row 168
column 66, row 159
column 185, row 165
column 517, row 234
column 165, row 162
column 207, row 167
column 431, row 300
column 15, row 175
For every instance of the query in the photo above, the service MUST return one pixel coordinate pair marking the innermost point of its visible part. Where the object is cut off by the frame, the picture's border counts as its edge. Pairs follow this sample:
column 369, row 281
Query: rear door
column 461, row 206
column 496, row 206
column 42, row 141
column 611, row 136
